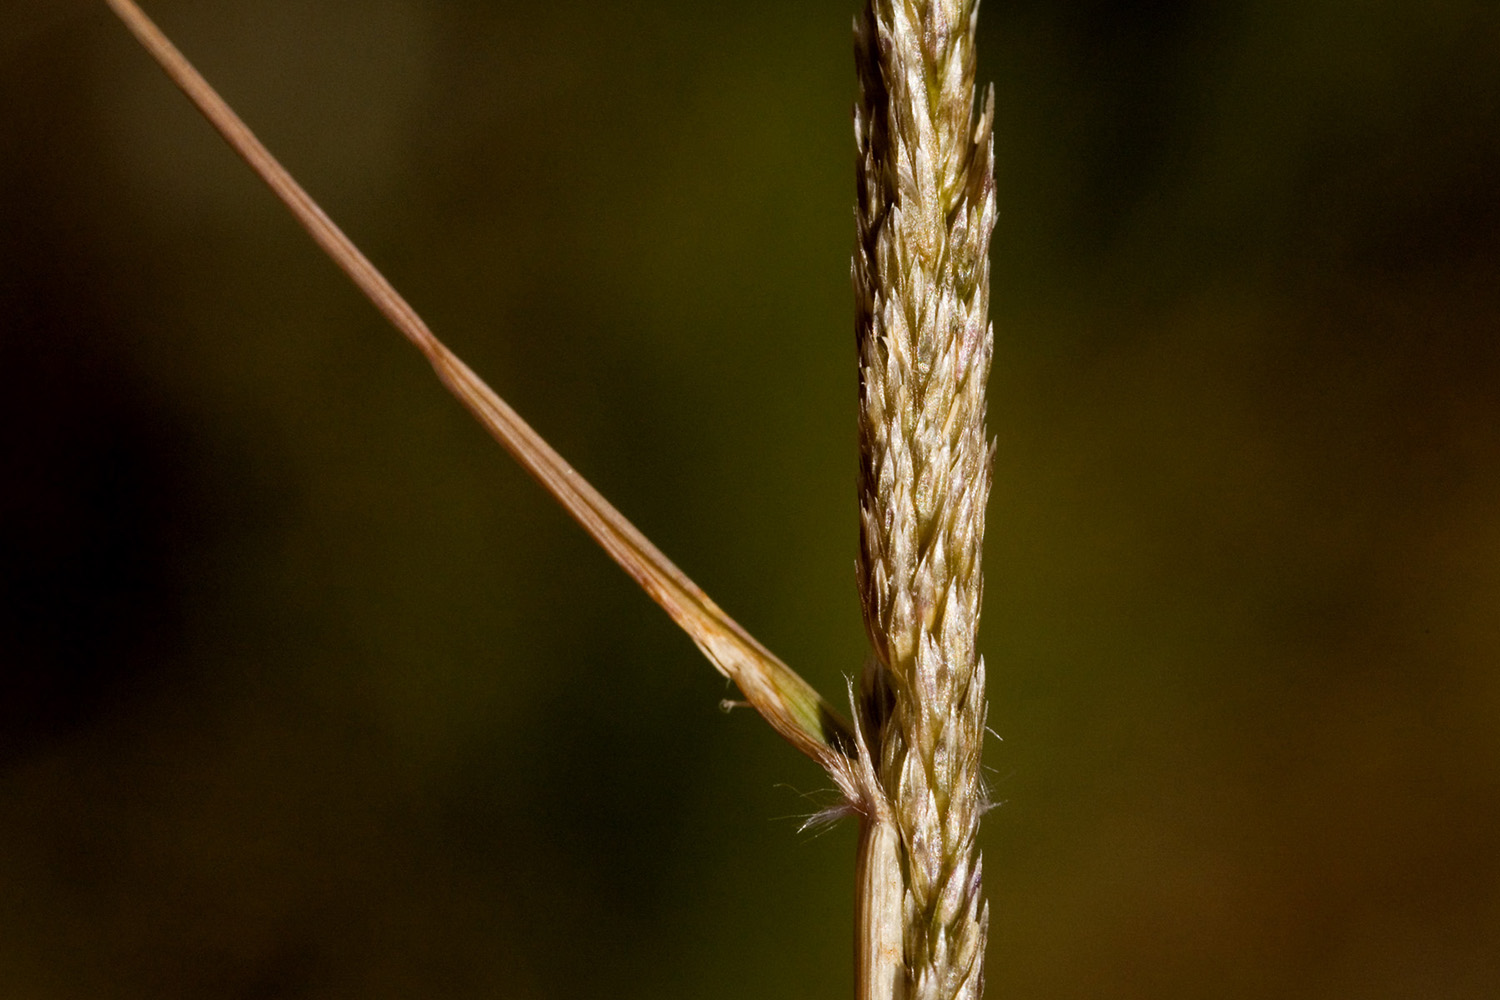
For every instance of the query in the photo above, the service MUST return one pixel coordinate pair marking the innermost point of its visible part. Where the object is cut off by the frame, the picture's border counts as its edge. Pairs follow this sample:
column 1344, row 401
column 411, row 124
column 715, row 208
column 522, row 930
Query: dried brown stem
column 792, row 706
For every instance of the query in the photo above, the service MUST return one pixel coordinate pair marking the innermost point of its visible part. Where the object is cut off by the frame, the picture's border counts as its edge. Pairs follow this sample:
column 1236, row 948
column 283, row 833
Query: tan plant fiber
column 925, row 211
column 791, row 705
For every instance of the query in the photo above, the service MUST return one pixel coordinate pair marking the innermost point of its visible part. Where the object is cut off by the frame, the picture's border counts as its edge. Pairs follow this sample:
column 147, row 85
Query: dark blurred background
column 307, row 691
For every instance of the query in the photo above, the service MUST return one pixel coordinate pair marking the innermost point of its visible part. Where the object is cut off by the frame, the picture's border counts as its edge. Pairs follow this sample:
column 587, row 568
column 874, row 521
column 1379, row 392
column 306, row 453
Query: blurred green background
column 307, row 691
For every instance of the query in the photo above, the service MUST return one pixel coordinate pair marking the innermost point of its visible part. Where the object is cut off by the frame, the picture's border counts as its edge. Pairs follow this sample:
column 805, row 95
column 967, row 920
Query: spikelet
column 926, row 207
